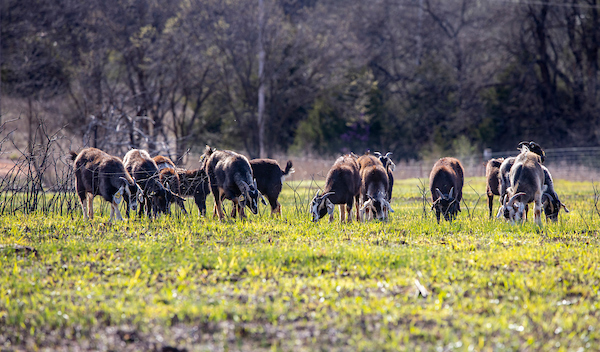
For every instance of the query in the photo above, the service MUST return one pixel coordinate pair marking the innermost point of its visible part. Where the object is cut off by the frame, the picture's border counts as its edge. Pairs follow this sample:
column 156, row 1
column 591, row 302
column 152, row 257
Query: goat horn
column 564, row 206
column 440, row 194
column 513, row 198
column 450, row 193
column 328, row 194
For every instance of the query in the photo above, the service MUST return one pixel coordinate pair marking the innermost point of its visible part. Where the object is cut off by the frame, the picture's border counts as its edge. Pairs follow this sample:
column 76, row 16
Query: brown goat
column 269, row 180
column 98, row 173
column 168, row 176
column 145, row 171
column 445, row 183
column 374, row 188
column 492, row 176
column 342, row 186
column 230, row 177
column 526, row 186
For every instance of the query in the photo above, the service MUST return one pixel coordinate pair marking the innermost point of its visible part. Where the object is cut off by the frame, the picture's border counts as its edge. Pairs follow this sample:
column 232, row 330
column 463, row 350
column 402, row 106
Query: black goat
column 373, row 188
column 492, row 175
column 269, row 180
column 194, row 183
column 389, row 166
column 342, row 186
column 550, row 201
column 98, row 173
column 230, row 177
column 156, row 197
column 445, row 183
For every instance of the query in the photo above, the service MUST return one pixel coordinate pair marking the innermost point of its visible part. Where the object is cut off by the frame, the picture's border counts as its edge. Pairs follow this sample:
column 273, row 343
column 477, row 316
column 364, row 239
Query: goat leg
column 90, row 203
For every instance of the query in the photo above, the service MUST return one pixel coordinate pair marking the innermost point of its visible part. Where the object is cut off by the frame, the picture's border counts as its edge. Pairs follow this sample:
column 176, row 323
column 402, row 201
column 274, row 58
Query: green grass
column 290, row 284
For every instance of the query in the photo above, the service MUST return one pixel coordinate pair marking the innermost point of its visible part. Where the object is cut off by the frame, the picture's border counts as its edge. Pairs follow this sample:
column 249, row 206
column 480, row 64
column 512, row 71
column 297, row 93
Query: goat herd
column 153, row 184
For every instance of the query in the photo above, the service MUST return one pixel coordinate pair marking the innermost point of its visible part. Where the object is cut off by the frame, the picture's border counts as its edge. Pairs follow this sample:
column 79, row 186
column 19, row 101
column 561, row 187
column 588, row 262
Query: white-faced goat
column 526, row 182
column 492, row 175
column 373, row 188
column 342, row 186
column 156, row 197
column 98, row 173
column 389, row 166
column 269, row 180
column 445, row 183
column 550, row 201
column 230, row 177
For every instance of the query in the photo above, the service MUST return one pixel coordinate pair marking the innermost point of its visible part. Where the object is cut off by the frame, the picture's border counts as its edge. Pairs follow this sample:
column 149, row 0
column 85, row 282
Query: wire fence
column 41, row 178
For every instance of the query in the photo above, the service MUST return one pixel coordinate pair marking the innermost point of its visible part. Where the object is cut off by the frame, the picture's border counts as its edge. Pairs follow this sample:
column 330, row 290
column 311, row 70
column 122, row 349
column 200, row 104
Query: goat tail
column 73, row 155
column 288, row 169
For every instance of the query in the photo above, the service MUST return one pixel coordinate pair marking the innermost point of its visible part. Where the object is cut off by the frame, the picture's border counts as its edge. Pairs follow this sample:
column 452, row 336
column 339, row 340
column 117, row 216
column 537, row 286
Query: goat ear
column 564, row 207
column 118, row 197
column 387, row 155
column 377, row 154
column 330, row 206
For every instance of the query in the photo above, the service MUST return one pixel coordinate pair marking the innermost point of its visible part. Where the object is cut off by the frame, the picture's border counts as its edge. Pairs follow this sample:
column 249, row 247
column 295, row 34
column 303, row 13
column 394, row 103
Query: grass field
column 292, row 285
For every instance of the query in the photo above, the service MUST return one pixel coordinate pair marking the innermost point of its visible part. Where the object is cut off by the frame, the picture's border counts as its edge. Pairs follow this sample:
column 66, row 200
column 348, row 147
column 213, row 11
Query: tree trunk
column 261, row 83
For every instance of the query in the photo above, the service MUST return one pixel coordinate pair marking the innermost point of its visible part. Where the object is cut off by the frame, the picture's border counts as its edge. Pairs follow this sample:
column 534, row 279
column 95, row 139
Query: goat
column 168, row 176
column 98, row 173
column 507, row 164
column 145, row 171
column 269, row 180
column 534, row 148
column 526, row 182
column 492, row 175
column 389, row 166
column 445, row 183
column 163, row 162
column 342, row 186
column 373, row 189
column 230, row 177
column 195, row 183
column 550, row 201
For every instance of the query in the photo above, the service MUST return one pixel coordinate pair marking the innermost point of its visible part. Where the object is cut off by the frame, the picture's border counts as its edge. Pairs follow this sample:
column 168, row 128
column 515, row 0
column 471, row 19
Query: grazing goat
column 445, row 183
column 373, row 188
column 230, row 177
column 550, row 201
column 170, row 180
column 98, row 173
column 492, row 175
column 526, row 182
column 389, row 166
column 269, row 180
column 156, row 197
column 195, row 183
column 342, row 186
column 168, row 176
column 507, row 164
